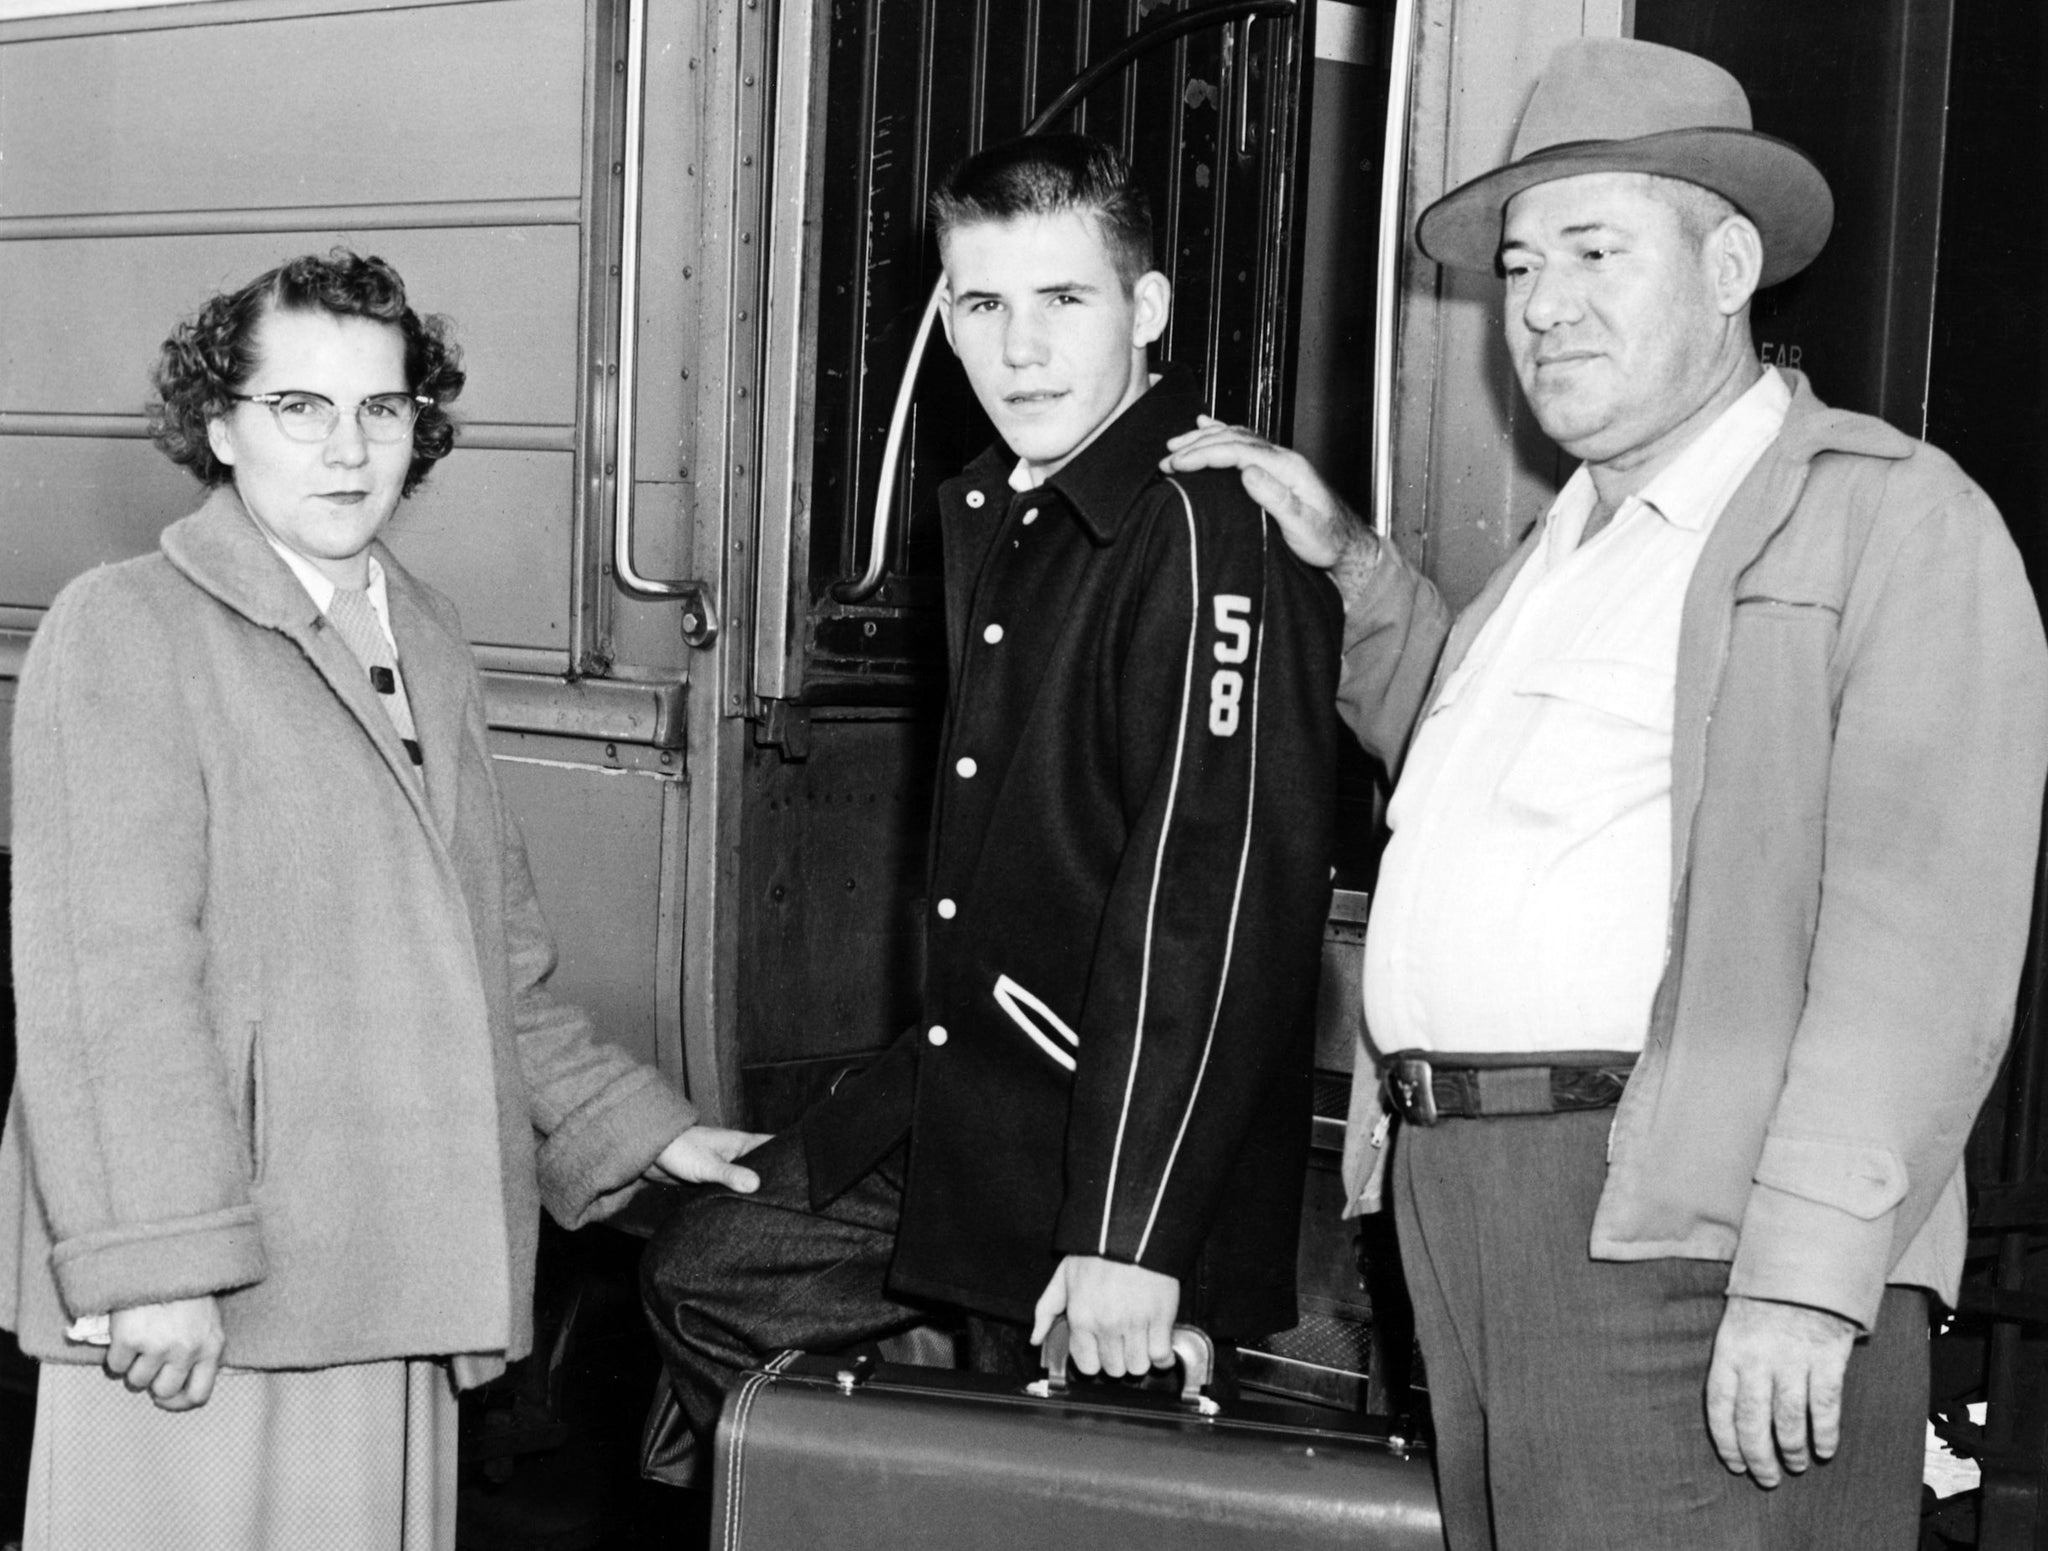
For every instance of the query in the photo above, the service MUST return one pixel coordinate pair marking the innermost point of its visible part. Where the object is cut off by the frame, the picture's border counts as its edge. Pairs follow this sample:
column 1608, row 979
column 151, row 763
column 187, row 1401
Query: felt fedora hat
column 1619, row 105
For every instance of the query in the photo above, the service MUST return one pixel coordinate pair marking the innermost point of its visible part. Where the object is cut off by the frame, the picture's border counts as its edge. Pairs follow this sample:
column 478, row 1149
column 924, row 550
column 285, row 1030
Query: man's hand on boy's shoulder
column 1119, row 1316
column 1321, row 530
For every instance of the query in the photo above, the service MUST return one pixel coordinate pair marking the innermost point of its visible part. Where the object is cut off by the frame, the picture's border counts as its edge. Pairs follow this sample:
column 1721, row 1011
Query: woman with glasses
column 291, row 1086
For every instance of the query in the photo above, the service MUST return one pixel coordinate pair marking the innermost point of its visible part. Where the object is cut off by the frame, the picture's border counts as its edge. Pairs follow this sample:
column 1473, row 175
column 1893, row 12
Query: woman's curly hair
column 211, row 357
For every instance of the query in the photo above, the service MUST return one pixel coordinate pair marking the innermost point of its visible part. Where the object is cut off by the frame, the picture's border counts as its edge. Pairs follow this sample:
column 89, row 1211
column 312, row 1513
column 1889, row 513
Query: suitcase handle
column 1193, row 1352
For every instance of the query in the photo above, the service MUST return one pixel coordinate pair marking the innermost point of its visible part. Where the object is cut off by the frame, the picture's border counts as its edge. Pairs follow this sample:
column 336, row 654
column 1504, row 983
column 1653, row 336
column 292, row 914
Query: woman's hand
column 703, row 1155
column 170, row 1349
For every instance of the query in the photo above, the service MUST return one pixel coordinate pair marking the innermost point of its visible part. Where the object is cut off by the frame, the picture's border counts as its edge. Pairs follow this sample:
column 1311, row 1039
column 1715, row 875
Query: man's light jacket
column 1859, row 742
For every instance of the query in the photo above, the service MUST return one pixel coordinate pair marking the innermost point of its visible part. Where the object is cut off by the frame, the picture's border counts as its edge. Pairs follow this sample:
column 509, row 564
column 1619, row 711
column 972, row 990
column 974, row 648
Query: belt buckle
column 1411, row 1084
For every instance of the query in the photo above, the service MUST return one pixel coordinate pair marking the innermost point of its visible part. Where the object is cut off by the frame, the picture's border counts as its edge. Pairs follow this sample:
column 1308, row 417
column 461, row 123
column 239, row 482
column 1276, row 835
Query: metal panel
column 292, row 218
column 142, row 122
column 600, row 710
column 33, row 19
column 67, row 503
column 488, row 435
column 490, row 529
column 597, row 841
column 81, row 320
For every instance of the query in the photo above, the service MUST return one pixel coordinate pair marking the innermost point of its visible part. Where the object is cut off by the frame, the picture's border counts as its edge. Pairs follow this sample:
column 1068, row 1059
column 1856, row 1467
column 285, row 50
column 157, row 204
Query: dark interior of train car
column 755, row 878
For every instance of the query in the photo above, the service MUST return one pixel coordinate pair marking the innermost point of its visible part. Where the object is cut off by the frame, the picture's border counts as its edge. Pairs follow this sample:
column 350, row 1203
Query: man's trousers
column 1569, row 1393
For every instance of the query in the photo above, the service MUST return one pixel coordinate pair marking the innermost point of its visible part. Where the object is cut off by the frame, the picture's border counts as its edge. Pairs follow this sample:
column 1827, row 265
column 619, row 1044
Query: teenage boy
column 1104, row 1112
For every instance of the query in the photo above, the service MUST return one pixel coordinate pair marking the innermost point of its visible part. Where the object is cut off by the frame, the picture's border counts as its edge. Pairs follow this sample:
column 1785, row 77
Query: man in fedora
column 1695, row 943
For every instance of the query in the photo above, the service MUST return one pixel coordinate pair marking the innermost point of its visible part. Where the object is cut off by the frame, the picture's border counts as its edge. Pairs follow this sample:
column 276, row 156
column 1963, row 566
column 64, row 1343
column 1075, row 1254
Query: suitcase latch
column 854, row 1374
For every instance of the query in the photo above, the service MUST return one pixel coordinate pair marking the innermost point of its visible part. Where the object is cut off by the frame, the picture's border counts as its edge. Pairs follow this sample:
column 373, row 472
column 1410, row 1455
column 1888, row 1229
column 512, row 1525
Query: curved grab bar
column 1387, row 292
column 1125, row 53
column 700, row 616
column 892, row 451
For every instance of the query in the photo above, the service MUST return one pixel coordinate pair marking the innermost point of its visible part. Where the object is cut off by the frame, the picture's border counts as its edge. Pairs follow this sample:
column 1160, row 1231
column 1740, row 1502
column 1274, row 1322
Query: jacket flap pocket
column 1037, row 1019
column 1633, row 691
column 1852, row 1177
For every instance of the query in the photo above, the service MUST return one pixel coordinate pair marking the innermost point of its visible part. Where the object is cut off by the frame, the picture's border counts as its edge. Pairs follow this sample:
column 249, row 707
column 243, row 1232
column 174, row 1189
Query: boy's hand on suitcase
column 1120, row 1317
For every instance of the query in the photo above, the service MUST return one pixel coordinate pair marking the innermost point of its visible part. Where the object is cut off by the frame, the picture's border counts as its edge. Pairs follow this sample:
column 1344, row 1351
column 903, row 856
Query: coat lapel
column 220, row 548
column 437, row 669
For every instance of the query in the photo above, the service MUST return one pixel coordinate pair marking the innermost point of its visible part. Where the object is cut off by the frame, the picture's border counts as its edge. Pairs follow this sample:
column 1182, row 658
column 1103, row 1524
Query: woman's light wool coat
column 283, row 1019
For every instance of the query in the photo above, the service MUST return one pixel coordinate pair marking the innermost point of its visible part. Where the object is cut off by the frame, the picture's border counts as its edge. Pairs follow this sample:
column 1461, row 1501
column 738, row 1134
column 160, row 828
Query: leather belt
column 1426, row 1087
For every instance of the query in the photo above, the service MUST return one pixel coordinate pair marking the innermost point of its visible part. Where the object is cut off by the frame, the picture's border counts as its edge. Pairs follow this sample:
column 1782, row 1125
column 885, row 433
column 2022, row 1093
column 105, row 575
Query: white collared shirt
column 321, row 589
column 1523, row 898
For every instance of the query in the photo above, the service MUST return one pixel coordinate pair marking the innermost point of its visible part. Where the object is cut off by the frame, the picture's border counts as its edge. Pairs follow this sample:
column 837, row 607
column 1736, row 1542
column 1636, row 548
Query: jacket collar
column 1105, row 478
column 220, row 550
column 1759, row 507
column 1812, row 428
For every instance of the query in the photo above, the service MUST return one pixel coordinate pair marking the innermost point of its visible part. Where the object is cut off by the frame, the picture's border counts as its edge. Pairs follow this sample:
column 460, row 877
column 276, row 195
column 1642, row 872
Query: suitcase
column 859, row 1455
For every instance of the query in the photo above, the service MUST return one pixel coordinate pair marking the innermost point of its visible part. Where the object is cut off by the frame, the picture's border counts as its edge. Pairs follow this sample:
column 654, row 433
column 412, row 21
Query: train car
column 690, row 522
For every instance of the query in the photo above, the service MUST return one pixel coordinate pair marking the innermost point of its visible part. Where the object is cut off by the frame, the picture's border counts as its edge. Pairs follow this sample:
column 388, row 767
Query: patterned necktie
column 355, row 621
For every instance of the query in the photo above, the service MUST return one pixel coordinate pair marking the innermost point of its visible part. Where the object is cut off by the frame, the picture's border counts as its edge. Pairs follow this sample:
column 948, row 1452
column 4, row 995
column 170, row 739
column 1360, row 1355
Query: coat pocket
column 1860, row 1178
column 246, row 1058
column 1047, row 1029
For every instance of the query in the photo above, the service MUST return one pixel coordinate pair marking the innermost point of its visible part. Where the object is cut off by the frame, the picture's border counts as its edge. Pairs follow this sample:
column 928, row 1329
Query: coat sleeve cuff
column 121, row 1268
column 1819, row 1226
column 591, row 1163
column 1079, row 1232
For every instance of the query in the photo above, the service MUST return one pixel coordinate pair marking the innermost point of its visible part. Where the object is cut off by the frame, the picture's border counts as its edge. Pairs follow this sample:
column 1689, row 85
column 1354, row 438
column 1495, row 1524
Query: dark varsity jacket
column 1129, row 877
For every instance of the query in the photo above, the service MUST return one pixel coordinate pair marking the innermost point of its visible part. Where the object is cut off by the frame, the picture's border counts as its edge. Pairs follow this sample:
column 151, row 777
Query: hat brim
column 1768, row 180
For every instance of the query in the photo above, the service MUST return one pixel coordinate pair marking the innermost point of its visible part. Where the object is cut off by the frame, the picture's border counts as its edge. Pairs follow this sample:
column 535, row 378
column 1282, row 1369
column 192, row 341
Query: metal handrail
column 700, row 619
column 1387, row 292
column 1119, row 58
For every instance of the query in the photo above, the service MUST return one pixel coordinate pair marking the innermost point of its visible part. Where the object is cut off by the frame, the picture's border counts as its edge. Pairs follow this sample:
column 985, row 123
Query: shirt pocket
column 1599, row 738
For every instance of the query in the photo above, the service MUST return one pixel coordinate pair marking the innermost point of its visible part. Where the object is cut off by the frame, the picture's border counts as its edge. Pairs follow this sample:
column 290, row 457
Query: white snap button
column 966, row 768
column 947, row 910
column 1030, row 517
column 976, row 499
column 937, row 1035
column 993, row 634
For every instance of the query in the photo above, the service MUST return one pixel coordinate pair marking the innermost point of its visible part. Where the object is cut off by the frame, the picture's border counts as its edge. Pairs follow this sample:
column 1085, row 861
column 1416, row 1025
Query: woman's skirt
column 360, row 1458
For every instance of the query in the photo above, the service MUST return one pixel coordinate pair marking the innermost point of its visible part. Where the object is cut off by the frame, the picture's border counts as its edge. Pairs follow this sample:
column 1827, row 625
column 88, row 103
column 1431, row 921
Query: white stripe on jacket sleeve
column 1152, row 904
column 1244, row 852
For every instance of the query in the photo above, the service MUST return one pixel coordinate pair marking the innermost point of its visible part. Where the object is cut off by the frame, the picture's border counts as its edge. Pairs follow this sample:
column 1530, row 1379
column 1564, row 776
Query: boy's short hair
column 1049, row 175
